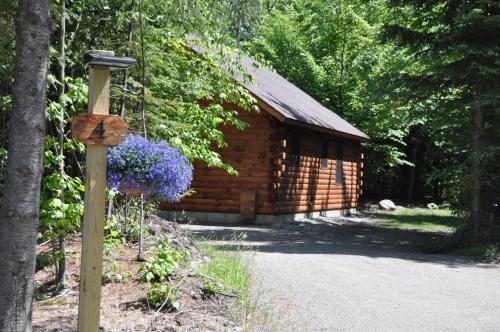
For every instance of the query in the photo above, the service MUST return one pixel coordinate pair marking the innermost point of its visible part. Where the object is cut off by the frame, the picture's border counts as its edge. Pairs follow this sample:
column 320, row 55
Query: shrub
column 164, row 262
column 155, row 169
column 160, row 294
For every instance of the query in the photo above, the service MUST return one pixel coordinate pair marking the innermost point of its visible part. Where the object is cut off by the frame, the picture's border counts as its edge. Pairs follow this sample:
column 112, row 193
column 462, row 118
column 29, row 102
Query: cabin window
column 339, row 171
column 295, row 149
column 324, row 154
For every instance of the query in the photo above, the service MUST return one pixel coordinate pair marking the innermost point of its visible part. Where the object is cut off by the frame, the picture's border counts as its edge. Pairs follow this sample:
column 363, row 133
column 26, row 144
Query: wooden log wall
column 305, row 186
column 261, row 155
column 252, row 153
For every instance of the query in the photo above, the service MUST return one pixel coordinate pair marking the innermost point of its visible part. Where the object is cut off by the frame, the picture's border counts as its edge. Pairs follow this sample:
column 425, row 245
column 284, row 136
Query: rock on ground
column 387, row 204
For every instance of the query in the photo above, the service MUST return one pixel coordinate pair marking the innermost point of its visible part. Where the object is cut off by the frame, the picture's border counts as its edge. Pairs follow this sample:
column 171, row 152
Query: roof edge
column 280, row 117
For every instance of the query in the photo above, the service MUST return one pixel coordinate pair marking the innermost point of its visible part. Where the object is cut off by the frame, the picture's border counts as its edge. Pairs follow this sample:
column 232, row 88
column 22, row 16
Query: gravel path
column 318, row 276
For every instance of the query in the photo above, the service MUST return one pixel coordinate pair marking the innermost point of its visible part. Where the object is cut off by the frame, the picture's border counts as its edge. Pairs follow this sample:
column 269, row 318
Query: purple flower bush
column 153, row 168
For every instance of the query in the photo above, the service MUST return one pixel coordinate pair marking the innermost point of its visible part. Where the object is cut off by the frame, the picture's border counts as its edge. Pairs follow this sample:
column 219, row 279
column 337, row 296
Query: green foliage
column 111, row 273
column 488, row 252
column 209, row 288
column 113, row 236
column 185, row 95
column 44, row 259
column 70, row 103
column 177, row 79
column 455, row 50
column 332, row 51
column 120, row 228
column 60, row 216
column 225, row 269
column 163, row 296
column 61, row 201
column 459, row 243
column 430, row 220
column 405, row 72
column 163, row 263
column 117, row 232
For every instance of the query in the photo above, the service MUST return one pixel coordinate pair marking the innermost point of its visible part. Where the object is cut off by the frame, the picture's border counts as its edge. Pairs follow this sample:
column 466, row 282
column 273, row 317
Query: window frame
column 339, row 164
column 295, row 148
column 324, row 162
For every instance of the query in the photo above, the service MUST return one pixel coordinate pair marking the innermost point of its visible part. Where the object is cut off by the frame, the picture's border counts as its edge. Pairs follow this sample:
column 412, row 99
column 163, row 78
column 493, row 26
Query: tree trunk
column 125, row 213
column 110, row 208
column 20, row 208
column 411, row 185
column 61, row 261
column 125, row 72
column 475, row 208
column 140, row 256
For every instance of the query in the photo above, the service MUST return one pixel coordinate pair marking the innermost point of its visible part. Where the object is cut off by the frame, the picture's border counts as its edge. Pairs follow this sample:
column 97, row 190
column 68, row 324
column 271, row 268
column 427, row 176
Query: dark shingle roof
column 292, row 104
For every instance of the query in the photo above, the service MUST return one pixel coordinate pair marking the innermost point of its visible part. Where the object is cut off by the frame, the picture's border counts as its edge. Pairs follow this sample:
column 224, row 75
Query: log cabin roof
column 289, row 104
column 294, row 105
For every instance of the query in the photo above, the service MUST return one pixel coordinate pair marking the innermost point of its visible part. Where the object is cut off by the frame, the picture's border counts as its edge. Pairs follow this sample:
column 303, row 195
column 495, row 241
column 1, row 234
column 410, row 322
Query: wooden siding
column 305, row 186
column 251, row 152
column 261, row 154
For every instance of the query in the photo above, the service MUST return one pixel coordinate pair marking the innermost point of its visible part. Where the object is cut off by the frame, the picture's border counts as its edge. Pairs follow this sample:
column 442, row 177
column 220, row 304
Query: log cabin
column 296, row 159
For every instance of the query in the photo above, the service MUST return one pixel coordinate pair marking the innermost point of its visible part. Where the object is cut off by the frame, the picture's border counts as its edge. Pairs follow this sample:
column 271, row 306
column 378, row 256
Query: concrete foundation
column 235, row 218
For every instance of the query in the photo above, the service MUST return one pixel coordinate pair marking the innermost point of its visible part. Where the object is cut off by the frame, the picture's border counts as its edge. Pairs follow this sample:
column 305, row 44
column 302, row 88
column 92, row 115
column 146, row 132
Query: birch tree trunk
column 20, row 206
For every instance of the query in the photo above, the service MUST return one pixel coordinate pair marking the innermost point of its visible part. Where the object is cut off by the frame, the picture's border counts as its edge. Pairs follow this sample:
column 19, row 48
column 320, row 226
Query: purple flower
column 155, row 168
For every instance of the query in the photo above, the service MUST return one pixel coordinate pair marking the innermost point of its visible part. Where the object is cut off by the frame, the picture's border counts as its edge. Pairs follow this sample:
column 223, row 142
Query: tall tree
column 332, row 51
column 456, row 46
column 20, row 207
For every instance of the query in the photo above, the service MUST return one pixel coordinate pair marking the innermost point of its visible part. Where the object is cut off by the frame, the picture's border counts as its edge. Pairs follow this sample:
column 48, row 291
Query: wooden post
column 93, row 219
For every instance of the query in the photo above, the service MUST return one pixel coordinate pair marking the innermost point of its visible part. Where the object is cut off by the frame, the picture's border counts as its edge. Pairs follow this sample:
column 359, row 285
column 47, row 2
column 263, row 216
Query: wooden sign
column 99, row 129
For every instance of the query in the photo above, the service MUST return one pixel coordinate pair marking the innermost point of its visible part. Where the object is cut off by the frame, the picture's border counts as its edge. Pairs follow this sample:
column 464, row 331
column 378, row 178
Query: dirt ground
column 124, row 306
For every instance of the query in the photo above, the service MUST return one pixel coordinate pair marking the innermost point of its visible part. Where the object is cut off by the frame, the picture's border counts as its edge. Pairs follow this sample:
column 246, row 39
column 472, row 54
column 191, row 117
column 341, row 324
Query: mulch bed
column 123, row 304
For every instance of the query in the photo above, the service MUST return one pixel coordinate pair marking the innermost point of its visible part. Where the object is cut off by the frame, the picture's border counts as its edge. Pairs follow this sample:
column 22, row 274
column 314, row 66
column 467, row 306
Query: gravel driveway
column 347, row 276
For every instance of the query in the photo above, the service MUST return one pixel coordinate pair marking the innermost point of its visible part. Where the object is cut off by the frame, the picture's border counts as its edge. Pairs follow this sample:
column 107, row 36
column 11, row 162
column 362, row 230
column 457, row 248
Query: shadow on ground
column 346, row 238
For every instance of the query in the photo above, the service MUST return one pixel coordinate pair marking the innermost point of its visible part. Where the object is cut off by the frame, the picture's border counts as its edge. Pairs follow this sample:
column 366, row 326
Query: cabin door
column 247, row 205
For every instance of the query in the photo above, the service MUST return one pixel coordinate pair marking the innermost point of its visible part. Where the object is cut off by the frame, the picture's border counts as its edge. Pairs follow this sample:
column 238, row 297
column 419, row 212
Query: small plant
column 44, row 259
column 209, row 288
column 111, row 273
column 154, row 169
column 163, row 296
column 225, row 271
column 164, row 262
column 123, row 276
column 492, row 252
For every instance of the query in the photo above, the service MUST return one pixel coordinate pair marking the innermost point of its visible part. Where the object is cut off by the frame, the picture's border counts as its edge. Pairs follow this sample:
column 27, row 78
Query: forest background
column 421, row 78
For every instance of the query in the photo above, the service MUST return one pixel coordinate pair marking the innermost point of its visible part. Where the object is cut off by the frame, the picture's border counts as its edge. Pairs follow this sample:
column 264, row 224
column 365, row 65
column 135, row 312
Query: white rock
column 387, row 204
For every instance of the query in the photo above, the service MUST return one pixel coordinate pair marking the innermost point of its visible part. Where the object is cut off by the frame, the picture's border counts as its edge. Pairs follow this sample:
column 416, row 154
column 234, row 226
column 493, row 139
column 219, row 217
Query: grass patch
column 56, row 301
column 419, row 219
column 230, row 271
column 489, row 252
column 227, row 268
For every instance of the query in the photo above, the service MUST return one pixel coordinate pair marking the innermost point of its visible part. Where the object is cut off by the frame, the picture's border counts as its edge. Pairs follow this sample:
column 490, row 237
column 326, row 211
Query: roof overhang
column 280, row 117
